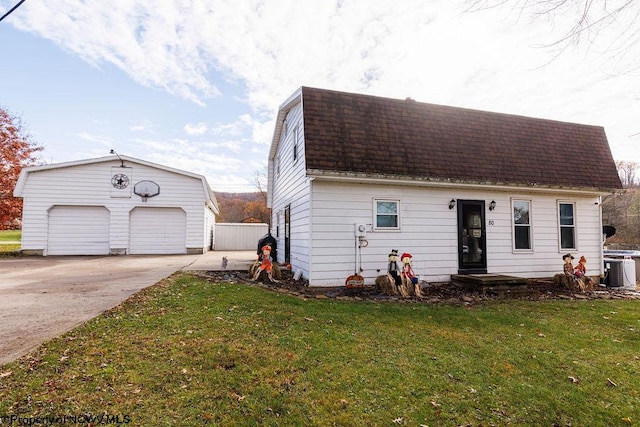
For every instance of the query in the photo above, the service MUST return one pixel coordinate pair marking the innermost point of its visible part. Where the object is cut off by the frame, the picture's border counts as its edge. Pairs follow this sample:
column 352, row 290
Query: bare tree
column 628, row 173
column 588, row 21
column 261, row 177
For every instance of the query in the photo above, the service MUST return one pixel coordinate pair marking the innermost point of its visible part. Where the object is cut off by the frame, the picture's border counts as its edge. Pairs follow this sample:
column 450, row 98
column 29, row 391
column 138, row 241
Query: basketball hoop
column 146, row 189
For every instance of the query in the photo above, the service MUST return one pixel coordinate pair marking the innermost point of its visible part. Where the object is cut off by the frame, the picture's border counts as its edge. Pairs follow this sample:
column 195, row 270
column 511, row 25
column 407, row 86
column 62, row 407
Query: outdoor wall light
column 492, row 205
column 452, row 204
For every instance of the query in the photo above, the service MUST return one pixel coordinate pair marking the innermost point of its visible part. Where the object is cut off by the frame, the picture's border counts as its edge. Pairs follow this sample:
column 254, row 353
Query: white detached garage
column 115, row 206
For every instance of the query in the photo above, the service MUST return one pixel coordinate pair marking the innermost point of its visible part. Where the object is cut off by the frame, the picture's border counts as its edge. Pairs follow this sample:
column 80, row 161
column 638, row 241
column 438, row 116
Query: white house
column 109, row 205
column 464, row 191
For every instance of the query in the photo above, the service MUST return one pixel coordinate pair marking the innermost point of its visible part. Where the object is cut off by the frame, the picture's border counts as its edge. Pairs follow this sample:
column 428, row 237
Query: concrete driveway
column 43, row 297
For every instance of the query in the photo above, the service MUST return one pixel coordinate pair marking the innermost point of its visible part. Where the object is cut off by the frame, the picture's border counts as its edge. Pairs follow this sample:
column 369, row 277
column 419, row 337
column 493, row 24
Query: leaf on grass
column 237, row 397
column 63, row 358
column 574, row 380
column 308, row 319
column 540, row 334
column 5, row 374
column 611, row 383
column 343, row 402
column 626, row 420
column 398, row 420
column 435, row 404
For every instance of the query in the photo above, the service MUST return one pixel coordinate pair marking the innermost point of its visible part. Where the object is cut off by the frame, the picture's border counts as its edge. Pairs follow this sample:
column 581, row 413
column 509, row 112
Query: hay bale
column 385, row 285
column 407, row 289
column 575, row 284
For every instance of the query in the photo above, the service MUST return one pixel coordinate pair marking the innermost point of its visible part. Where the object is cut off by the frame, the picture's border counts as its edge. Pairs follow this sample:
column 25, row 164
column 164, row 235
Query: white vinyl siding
column 89, row 184
column 157, row 231
column 429, row 232
column 290, row 186
column 78, row 230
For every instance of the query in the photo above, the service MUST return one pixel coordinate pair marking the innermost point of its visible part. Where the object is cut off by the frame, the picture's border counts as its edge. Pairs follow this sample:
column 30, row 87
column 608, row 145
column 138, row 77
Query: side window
column 522, row 225
column 387, row 215
column 567, row 225
column 295, row 144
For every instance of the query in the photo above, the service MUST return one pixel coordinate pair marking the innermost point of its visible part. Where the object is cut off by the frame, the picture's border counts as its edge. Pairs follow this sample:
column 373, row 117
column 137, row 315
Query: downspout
column 604, row 238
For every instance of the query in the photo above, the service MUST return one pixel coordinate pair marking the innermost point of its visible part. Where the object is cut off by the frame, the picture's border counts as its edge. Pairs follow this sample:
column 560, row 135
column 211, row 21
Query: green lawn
column 189, row 352
column 10, row 235
column 9, row 249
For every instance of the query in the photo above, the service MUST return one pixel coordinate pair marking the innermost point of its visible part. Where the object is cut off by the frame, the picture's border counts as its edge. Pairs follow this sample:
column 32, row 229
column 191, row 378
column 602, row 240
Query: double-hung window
column 522, row 225
column 387, row 216
column 567, row 224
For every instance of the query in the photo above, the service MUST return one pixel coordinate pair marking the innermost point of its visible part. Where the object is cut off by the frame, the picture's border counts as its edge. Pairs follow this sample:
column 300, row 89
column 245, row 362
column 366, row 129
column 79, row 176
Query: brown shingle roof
column 363, row 134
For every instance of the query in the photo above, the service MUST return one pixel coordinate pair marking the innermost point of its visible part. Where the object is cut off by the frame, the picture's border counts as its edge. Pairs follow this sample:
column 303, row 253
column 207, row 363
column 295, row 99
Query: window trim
column 375, row 215
column 514, row 225
column 573, row 226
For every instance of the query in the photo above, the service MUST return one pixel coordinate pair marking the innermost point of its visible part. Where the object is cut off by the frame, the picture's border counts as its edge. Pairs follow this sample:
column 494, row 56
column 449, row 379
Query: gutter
column 388, row 179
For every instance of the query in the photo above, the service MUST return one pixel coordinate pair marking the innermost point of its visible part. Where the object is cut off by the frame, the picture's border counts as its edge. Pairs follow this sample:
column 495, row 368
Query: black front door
column 287, row 234
column 472, row 243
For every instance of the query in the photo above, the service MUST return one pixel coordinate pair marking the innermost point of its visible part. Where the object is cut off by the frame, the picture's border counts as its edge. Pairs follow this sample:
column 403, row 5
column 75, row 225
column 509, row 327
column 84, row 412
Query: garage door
column 157, row 231
column 78, row 230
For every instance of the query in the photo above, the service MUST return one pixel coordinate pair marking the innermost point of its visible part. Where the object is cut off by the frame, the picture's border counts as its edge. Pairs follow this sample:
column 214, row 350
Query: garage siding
column 157, row 231
column 88, row 183
column 78, row 230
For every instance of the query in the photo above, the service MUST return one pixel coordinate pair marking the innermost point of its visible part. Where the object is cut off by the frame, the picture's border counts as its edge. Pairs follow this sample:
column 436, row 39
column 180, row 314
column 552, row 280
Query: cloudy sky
column 196, row 84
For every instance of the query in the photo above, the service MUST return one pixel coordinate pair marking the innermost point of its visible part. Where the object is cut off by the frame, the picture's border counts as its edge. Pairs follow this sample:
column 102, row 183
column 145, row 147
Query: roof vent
column 410, row 99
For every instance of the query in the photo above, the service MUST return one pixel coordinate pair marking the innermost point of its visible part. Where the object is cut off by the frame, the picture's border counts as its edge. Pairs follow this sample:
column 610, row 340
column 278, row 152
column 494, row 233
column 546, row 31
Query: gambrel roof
column 362, row 135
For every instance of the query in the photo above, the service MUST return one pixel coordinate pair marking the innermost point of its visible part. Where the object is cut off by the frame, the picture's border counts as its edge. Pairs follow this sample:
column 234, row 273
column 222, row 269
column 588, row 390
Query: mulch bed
column 441, row 292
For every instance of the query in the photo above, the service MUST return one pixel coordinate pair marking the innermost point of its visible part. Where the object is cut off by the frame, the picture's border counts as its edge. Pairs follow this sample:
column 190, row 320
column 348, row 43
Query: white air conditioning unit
column 622, row 272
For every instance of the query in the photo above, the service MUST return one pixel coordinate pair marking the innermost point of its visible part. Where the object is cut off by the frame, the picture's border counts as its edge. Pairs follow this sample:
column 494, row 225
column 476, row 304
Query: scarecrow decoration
column 410, row 284
column 581, row 273
column 390, row 283
column 264, row 266
column 568, row 264
column 399, row 281
column 574, row 278
column 392, row 269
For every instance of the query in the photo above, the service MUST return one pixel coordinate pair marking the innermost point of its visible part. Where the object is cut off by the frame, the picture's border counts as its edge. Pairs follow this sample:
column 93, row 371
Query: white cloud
column 106, row 141
column 427, row 50
column 196, row 129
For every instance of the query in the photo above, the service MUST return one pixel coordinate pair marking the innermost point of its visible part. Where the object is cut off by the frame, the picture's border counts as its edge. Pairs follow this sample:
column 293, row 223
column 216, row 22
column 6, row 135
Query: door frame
column 470, row 267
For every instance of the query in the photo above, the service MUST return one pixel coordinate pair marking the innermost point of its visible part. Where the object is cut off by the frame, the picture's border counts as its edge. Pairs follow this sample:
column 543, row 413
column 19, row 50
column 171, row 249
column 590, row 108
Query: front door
column 472, row 244
column 287, row 234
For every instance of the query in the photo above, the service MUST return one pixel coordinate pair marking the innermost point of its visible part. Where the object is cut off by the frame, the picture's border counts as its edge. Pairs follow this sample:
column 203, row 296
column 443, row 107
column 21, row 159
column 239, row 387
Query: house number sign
column 490, row 222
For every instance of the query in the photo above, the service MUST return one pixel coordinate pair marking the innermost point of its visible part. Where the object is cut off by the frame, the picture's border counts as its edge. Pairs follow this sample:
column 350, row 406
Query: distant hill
column 242, row 207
